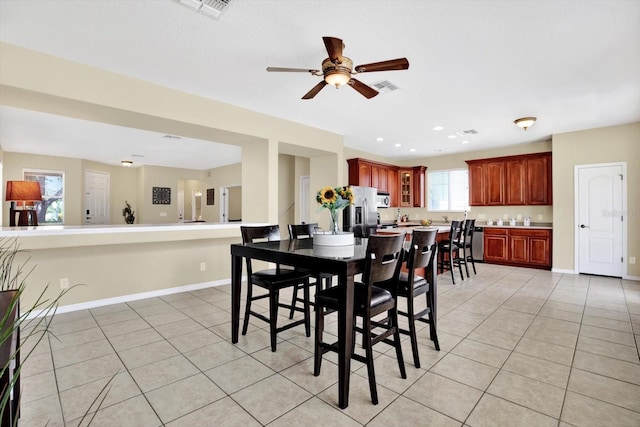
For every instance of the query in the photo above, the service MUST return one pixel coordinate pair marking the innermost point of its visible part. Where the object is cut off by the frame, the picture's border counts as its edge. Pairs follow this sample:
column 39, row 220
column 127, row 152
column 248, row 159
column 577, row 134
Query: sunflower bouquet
column 335, row 199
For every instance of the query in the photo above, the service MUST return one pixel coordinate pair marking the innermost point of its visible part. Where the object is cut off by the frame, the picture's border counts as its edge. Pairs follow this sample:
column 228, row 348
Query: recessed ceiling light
column 465, row 142
column 379, row 139
column 397, row 145
column 412, row 150
column 437, row 128
column 453, row 136
column 126, row 163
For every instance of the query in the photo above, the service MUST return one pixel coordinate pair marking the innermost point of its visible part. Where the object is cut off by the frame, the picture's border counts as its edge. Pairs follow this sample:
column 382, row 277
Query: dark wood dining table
column 301, row 253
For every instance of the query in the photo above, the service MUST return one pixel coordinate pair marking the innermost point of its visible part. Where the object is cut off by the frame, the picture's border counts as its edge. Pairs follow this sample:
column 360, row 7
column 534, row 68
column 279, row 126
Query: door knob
column 584, row 226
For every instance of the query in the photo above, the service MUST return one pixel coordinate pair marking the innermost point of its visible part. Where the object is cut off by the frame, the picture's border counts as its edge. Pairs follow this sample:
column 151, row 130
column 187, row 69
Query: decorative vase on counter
column 334, row 199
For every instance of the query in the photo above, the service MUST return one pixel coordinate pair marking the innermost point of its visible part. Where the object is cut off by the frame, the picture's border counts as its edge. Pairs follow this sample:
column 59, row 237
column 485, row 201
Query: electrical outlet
column 64, row 283
column 163, row 214
column 539, row 217
column 505, row 216
column 519, row 217
column 632, row 260
column 203, row 266
column 482, row 216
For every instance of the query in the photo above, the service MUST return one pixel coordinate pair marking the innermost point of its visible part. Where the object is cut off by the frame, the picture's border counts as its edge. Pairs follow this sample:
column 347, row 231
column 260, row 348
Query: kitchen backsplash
column 480, row 213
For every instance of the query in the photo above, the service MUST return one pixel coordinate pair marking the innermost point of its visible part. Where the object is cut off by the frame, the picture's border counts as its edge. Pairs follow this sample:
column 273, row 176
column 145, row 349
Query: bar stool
column 382, row 266
column 451, row 247
column 273, row 280
column 322, row 280
column 467, row 245
column 422, row 254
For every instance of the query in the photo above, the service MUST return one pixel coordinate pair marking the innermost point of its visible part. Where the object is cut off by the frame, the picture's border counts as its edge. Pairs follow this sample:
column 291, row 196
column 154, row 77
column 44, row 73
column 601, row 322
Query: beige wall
column 602, row 145
column 235, row 203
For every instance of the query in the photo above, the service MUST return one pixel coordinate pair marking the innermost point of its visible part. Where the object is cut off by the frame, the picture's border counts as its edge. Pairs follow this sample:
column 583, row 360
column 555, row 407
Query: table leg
column 236, row 287
column 345, row 336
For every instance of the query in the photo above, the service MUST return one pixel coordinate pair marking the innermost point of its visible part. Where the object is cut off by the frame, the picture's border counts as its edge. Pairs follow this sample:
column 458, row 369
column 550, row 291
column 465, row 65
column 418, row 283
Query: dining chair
column 382, row 266
column 467, row 245
column 322, row 280
column 451, row 248
column 273, row 280
column 421, row 255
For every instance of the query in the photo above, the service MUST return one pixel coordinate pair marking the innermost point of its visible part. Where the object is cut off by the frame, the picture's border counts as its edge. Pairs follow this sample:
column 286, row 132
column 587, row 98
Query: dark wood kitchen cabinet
column 524, row 247
column 406, row 186
column 496, row 245
column 513, row 180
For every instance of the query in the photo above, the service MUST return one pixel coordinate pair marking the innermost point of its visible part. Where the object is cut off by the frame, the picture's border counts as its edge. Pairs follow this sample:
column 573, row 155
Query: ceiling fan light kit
column 525, row 122
column 337, row 70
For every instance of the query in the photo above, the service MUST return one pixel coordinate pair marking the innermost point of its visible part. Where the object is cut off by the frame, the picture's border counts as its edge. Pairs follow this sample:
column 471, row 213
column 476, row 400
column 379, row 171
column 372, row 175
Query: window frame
column 449, row 198
column 38, row 171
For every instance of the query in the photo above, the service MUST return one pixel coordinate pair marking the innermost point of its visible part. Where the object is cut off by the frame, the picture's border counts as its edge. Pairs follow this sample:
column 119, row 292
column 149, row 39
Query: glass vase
column 334, row 222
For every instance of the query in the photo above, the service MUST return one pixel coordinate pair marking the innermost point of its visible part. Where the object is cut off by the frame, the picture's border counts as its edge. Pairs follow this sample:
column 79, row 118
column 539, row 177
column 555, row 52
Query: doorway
column 231, row 203
column 96, row 197
column 600, row 221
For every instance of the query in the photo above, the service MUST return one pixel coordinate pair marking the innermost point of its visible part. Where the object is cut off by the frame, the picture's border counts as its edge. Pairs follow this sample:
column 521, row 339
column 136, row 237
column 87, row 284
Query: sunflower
column 327, row 196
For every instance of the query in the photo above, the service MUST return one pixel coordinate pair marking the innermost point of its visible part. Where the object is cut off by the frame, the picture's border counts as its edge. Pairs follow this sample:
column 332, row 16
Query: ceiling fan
column 337, row 70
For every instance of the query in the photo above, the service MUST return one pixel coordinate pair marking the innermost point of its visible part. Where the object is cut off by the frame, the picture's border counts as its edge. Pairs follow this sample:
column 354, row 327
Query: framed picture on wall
column 161, row 195
column 211, row 192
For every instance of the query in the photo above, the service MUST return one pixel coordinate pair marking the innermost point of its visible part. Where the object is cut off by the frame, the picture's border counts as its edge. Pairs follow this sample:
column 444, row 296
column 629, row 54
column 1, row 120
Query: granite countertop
column 440, row 225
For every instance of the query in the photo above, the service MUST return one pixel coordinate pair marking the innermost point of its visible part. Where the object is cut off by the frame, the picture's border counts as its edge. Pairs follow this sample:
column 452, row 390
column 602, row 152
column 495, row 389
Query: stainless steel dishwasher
column 478, row 244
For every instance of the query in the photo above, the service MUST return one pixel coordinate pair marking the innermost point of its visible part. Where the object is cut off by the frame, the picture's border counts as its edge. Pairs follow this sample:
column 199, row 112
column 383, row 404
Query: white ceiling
column 473, row 65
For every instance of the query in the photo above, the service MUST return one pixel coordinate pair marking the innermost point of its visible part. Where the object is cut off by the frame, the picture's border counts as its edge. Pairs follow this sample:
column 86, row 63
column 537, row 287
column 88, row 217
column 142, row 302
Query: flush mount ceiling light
column 525, row 122
column 379, row 139
column 126, row 163
column 438, row 128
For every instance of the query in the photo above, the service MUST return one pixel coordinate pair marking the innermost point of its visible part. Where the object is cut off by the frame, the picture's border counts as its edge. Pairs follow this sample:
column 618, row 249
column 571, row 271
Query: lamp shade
column 23, row 191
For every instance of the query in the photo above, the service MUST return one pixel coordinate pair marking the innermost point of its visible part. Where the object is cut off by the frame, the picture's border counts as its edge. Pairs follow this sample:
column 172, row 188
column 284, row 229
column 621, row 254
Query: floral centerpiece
column 335, row 199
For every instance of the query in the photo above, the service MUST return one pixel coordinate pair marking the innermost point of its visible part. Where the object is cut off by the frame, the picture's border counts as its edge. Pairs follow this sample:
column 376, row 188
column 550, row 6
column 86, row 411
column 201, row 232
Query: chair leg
column 412, row 332
column 293, row 301
column 453, row 279
column 473, row 261
column 317, row 355
column 465, row 257
column 247, row 310
column 366, row 326
column 273, row 316
column 307, row 311
column 432, row 319
column 393, row 316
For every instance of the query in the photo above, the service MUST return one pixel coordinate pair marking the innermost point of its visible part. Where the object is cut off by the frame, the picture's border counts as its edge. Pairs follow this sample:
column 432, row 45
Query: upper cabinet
column 406, row 186
column 513, row 180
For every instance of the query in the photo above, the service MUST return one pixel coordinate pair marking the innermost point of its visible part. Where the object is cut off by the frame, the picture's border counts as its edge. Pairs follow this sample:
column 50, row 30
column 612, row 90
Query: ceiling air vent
column 172, row 137
column 211, row 8
column 385, row 86
column 470, row 132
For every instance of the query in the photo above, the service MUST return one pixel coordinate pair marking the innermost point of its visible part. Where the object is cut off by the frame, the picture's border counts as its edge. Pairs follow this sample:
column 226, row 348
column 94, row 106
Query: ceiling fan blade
column 313, row 92
column 292, row 70
column 390, row 65
column 366, row 91
column 334, row 48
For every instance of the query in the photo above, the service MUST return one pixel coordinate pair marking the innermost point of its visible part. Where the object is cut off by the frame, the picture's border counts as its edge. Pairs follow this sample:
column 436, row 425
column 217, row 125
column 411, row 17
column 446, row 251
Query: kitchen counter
column 536, row 225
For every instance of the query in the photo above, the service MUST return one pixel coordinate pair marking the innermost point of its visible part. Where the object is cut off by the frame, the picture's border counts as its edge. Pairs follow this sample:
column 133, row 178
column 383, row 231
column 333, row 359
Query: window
column 449, row 190
column 51, row 210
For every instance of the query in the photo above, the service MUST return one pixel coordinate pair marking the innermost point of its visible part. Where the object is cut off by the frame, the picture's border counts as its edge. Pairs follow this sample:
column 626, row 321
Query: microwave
column 382, row 200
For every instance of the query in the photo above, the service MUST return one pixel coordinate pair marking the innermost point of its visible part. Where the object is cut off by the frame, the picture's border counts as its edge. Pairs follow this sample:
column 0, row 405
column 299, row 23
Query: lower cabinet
column 518, row 246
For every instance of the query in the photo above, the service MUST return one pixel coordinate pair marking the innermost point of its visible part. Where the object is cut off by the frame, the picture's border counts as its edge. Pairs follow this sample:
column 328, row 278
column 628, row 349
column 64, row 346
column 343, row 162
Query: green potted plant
column 15, row 320
column 127, row 213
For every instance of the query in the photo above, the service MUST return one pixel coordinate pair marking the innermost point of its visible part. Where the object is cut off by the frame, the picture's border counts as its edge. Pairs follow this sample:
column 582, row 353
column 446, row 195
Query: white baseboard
column 562, row 270
column 636, row 278
column 132, row 297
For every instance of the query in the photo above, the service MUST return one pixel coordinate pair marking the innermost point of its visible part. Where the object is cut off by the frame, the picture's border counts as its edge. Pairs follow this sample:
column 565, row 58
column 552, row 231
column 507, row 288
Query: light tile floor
column 519, row 347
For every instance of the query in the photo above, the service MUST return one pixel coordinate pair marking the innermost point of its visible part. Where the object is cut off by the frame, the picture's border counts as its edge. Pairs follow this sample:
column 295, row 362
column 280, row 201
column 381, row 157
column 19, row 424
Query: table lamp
column 26, row 192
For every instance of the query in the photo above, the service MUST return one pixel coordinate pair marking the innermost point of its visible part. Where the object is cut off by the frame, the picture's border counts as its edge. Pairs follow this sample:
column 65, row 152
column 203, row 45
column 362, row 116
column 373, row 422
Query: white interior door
column 224, row 204
column 600, row 219
column 180, row 204
column 96, row 197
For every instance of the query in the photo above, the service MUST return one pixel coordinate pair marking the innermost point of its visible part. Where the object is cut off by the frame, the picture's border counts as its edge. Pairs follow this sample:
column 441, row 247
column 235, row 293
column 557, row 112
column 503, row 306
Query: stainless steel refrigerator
column 362, row 217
